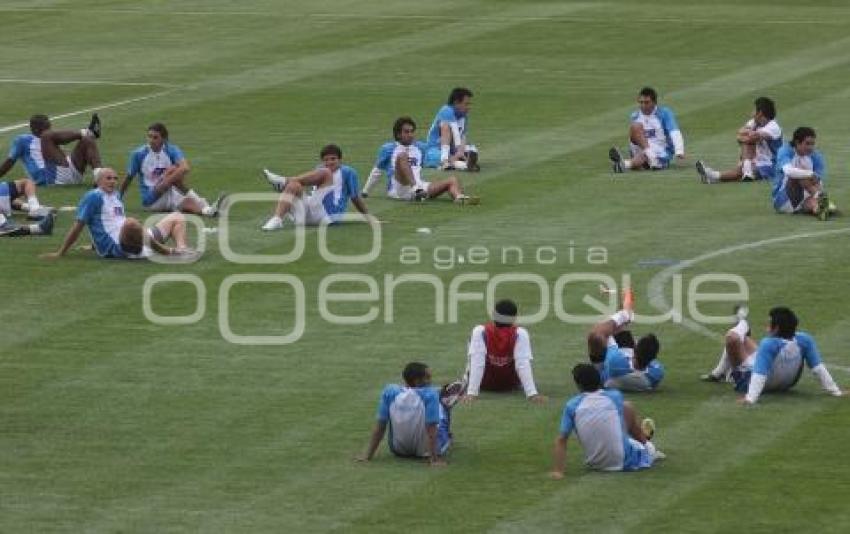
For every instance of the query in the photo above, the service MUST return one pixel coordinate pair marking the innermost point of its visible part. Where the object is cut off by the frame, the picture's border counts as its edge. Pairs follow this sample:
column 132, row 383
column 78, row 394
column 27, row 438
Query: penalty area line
column 99, row 107
column 26, row 81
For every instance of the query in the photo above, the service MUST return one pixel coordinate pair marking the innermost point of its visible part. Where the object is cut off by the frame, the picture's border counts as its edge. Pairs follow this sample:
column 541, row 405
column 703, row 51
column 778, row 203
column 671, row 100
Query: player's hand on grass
column 361, row 458
column 538, row 399
column 681, row 156
column 743, row 401
column 438, row 462
column 50, row 256
column 468, row 399
column 556, row 475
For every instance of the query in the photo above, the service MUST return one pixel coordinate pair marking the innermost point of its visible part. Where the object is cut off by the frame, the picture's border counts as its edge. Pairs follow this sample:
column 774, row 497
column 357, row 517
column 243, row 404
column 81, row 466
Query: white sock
column 34, row 229
column 444, row 152
column 372, row 181
column 627, row 164
column 32, row 203
column 2, row 219
column 723, row 366
column 712, row 174
column 747, row 168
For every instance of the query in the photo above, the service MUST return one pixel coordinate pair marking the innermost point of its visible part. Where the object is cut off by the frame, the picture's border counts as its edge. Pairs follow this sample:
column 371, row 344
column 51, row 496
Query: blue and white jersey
column 27, row 148
column 345, row 187
column 408, row 411
column 781, row 360
column 389, row 152
column 657, row 127
column 618, row 370
column 770, row 143
column 103, row 214
column 787, row 158
column 597, row 419
column 449, row 115
column 151, row 166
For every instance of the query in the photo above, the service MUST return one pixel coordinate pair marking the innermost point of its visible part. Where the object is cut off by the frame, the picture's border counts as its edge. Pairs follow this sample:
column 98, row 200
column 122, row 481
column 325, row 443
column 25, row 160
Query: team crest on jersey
column 118, row 211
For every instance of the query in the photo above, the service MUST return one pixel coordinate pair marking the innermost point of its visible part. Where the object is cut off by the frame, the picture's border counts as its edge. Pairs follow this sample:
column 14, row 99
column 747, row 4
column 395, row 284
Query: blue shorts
column 637, row 457
column 432, row 157
column 444, row 434
column 765, row 172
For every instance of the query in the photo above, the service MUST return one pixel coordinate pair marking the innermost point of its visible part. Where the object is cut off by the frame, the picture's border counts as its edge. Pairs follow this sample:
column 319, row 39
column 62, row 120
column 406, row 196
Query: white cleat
column 277, row 181
column 275, row 223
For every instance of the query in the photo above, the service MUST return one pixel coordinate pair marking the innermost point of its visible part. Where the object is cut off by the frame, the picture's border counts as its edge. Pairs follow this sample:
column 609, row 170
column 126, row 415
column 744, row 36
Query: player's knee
column 293, row 188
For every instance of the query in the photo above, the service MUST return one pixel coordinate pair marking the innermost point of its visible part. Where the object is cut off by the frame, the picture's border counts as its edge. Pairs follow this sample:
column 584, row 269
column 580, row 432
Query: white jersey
column 769, row 144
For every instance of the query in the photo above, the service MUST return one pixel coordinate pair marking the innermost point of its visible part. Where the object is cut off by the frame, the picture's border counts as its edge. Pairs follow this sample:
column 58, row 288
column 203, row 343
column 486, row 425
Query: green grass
column 111, row 423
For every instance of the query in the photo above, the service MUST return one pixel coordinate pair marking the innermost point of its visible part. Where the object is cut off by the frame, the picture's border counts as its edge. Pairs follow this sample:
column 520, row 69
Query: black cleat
column 94, row 126
column 472, row 162
column 45, row 226
column 616, row 160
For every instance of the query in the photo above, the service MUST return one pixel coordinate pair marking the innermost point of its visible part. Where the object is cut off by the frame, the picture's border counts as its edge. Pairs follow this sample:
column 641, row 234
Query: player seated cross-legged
column 164, row 176
column 10, row 193
column 622, row 363
column 417, row 415
column 448, row 147
column 654, row 137
column 608, row 428
column 800, row 174
column 42, row 155
column 335, row 184
column 401, row 160
column 776, row 364
column 760, row 139
column 113, row 234
column 500, row 356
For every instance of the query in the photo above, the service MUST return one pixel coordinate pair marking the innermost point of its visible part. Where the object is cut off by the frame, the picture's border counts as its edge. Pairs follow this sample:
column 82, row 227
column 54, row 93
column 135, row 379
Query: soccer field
column 109, row 422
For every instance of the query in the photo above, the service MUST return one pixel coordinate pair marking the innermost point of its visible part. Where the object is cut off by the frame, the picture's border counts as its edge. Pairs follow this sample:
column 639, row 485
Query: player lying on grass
column 800, row 174
column 776, row 364
column 500, row 356
column 9, row 194
column 163, row 174
column 654, row 137
column 335, row 184
column 113, row 234
column 448, row 147
column 622, row 363
column 760, row 139
column 608, row 428
column 42, row 155
column 417, row 415
column 401, row 160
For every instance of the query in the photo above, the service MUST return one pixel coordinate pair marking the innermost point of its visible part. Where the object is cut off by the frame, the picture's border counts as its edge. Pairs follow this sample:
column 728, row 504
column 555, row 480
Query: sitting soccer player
column 42, row 155
column 500, row 356
column 776, row 364
column 164, row 174
column 418, row 417
column 9, row 194
column 800, row 173
column 760, row 139
column 654, row 137
column 335, row 184
column 115, row 236
column 447, row 144
column 607, row 427
column 622, row 363
column 401, row 160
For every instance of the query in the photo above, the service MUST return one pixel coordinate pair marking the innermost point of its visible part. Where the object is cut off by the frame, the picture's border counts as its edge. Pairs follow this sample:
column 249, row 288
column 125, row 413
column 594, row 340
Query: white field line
column 99, row 107
column 656, row 286
column 85, row 82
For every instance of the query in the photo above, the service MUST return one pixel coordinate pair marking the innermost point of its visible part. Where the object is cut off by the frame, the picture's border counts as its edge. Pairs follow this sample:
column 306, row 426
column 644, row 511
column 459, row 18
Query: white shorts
column 310, row 211
column 171, row 200
column 405, row 192
column 634, row 381
column 662, row 159
column 68, row 175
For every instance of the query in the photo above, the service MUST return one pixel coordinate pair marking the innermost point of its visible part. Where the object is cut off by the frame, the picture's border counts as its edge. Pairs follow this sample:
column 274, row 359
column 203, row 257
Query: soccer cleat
column 94, row 126
column 452, row 393
column 658, row 455
column 616, row 160
column 188, row 255
column 277, row 181
column 741, row 311
column 40, row 213
column 822, row 209
column 218, row 204
column 364, row 194
column 708, row 377
column 420, row 195
column 275, row 223
column 647, row 426
column 747, row 178
column 45, row 226
column 472, row 161
column 703, row 173
column 10, row 229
